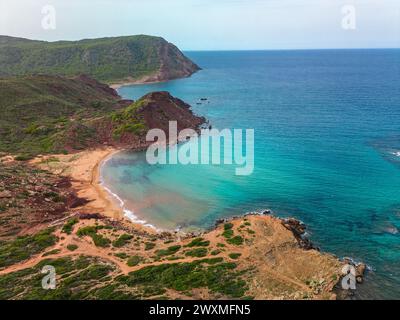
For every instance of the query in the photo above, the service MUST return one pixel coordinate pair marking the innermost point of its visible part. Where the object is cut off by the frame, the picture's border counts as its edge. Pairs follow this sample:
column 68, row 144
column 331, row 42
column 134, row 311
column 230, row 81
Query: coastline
column 84, row 170
column 126, row 213
column 146, row 80
column 119, row 85
column 257, row 241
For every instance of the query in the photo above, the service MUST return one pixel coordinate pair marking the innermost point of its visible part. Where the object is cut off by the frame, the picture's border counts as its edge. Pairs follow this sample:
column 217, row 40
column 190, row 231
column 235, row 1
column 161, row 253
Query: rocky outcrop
column 299, row 232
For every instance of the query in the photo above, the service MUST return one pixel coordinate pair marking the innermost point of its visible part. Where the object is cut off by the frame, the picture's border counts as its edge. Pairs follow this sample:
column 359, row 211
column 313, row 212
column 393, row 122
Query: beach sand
column 84, row 170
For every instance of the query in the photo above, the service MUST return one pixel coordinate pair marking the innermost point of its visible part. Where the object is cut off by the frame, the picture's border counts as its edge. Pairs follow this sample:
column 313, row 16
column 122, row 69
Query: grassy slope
column 35, row 111
column 51, row 114
column 106, row 59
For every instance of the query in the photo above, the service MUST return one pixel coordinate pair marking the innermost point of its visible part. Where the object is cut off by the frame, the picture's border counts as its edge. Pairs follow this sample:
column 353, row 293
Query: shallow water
column 327, row 133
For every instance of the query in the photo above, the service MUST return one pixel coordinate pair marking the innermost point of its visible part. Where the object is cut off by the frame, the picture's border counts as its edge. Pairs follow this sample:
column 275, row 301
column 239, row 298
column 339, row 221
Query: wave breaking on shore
column 128, row 214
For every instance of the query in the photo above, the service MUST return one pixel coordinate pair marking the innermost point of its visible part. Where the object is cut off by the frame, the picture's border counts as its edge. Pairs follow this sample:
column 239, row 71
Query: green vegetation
column 169, row 251
column 68, row 226
column 149, row 246
column 134, row 261
column 121, row 255
column 213, row 274
column 228, row 232
column 198, row 242
column 72, row 247
column 129, row 120
column 228, row 226
column 234, row 255
column 45, row 114
column 91, row 278
column 122, row 240
column 51, row 252
column 80, row 278
column 237, row 240
column 98, row 239
column 22, row 248
column 137, row 56
column 49, row 114
column 198, row 252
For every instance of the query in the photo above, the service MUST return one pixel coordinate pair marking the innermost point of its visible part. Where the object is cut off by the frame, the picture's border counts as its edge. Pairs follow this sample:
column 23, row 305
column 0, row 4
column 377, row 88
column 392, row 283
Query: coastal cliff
column 113, row 60
column 51, row 114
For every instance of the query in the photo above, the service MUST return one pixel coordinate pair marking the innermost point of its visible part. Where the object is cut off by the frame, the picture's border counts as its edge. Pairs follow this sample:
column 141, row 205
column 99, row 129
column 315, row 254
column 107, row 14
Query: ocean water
column 327, row 151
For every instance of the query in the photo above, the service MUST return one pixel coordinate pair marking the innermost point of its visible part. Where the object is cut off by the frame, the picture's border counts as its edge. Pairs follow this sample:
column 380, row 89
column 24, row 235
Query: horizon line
column 289, row 49
column 214, row 50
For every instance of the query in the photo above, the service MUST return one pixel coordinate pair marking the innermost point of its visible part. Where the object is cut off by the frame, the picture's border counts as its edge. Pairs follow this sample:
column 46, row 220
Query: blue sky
column 212, row 24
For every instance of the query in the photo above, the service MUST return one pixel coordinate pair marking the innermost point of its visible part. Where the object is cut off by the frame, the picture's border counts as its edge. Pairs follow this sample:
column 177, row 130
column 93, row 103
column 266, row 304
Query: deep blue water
column 327, row 130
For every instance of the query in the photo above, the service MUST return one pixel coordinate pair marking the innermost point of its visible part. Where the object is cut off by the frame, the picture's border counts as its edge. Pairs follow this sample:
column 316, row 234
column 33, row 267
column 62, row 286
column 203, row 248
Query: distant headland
column 120, row 60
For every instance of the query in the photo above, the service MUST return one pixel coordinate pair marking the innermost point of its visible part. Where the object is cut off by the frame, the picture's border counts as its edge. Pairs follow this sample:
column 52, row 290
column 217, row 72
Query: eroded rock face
column 161, row 107
column 153, row 111
column 299, row 231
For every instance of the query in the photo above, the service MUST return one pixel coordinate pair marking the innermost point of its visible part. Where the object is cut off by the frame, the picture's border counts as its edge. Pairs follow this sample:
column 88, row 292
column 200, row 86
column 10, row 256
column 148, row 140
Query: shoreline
column 119, row 85
column 144, row 80
column 127, row 214
column 259, row 238
column 84, row 170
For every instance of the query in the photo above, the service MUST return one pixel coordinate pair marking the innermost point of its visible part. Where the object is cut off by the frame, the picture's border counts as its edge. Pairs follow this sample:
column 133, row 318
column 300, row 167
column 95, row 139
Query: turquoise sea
column 327, row 151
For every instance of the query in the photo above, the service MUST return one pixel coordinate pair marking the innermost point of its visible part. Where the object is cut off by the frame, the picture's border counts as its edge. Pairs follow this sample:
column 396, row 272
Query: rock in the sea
column 392, row 230
column 360, row 271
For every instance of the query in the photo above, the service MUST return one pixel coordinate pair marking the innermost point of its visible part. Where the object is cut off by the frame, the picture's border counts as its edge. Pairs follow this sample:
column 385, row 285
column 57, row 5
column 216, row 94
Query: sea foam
column 128, row 214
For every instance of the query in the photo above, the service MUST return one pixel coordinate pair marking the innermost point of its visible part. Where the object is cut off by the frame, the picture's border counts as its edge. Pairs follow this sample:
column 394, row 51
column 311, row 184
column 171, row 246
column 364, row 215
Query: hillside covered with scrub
column 111, row 60
column 53, row 114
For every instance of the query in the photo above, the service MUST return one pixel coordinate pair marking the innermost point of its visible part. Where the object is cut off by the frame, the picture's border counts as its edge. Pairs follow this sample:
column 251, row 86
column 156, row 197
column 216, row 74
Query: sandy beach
column 144, row 80
column 84, row 170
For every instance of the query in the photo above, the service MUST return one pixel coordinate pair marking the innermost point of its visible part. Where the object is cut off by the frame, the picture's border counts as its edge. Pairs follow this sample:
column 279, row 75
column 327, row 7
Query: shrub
column 24, row 157
column 122, row 240
column 234, row 255
column 68, row 226
column 237, row 240
column 100, row 241
column 24, row 247
column 228, row 226
column 198, row 252
column 91, row 231
column 121, row 255
column 169, row 251
column 228, row 233
column 134, row 261
column 149, row 246
column 213, row 274
column 72, row 247
column 198, row 242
